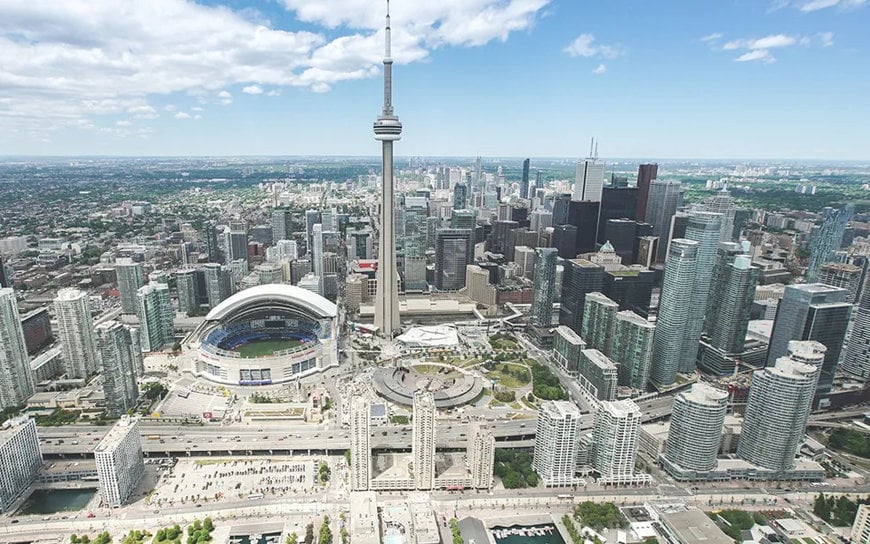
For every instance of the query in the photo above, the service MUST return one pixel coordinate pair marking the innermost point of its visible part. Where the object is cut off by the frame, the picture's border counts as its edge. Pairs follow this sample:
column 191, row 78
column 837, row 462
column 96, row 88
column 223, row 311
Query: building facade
column 16, row 380
column 20, row 459
column 119, row 358
column 617, row 425
column 120, row 464
column 545, row 283
column 633, row 349
column 695, row 432
column 556, row 439
column 155, row 316
column 481, row 456
column 130, row 278
column 423, row 440
column 76, row 334
column 599, row 319
column 360, row 444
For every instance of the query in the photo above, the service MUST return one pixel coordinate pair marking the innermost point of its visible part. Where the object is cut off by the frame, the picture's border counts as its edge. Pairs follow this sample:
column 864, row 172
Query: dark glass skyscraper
column 580, row 278
column 664, row 199
column 826, row 238
column 460, row 196
column 524, row 183
column 584, row 216
column 210, row 242
column 646, row 173
column 812, row 311
column 454, row 249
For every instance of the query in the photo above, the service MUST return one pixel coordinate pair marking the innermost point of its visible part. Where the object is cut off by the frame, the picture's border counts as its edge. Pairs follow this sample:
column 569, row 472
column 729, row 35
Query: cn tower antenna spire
column 388, row 67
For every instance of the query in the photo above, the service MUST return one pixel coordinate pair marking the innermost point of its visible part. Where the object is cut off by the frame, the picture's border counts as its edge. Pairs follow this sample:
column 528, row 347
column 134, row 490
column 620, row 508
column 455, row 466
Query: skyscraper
column 423, row 440
column 826, row 238
column 16, row 380
column 185, row 282
column 210, row 242
column 545, row 281
column 856, row 360
column 580, row 278
column 590, row 180
column 20, row 458
column 732, row 289
column 481, row 456
column 120, row 463
column 673, row 313
column 282, row 224
column 845, row 275
column 130, row 279
column 704, row 228
column 4, row 279
column 155, row 316
column 387, row 130
column 360, row 445
column 646, row 173
column 218, row 283
column 664, row 199
column 118, row 360
column 556, row 437
column 76, row 333
column 812, row 312
column 780, row 398
column 460, row 196
column 599, row 319
column 236, row 243
column 696, row 431
column 454, row 249
column 723, row 204
column 617, row 425
column 632, row 349
column 524, row 183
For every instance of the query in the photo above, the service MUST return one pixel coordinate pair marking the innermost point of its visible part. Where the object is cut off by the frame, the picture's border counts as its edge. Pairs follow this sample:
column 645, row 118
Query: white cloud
column 182, row 115
column 600, row 70
column 712, row 37
column 253, row 89
column 584, row 46
column 767, row 42
column 224, row 98
column 762, row 55
column 67, row 63
column 815, row 5
column 273, row 93
column 826, row 39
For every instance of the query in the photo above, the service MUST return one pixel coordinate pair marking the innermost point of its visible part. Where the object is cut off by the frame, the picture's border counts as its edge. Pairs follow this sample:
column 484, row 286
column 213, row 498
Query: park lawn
column 265, row 347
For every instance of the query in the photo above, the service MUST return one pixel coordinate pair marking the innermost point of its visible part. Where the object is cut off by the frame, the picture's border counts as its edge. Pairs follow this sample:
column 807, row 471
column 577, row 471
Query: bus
column 255, row 496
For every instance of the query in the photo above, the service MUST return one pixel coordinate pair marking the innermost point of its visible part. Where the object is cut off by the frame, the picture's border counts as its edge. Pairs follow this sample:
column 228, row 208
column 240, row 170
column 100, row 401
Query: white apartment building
column 120, row 464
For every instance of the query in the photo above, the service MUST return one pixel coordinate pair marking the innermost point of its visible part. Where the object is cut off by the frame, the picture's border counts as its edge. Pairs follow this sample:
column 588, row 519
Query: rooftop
column 694, row 526
column 117, row 433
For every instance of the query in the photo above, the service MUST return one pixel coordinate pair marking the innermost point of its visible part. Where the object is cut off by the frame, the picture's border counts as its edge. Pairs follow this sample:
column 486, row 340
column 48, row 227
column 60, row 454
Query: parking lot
column 206, row 480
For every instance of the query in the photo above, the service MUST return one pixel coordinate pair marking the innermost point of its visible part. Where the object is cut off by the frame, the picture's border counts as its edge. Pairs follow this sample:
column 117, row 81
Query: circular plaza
column 450, row 385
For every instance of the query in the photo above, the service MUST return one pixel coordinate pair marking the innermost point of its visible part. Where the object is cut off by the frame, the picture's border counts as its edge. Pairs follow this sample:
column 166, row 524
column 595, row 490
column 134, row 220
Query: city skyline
column 475, row 78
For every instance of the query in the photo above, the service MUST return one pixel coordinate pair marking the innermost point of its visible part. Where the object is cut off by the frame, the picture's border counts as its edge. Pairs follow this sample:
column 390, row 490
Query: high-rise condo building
column 845, row 275
column 218, row 283
column 646, row 173
column 812, row 311
column 826, row 238
column 185, row 283
column 360, row 444
column 633, row 349
column 155, row 316
column 545, row 282
column 119, row 359
column 460, row 196
column 861, row 527
column 454, row 249
column 388, row 129
column 120, row 464
column 617, row 425
column 674, row 302
column 556, row 438
column 732, row 291
column 282, row 224
column 780, row 398
column 664, row 199
column 210, row 242
column 76, row 333
column 20, row 458
column 704, row 228
column 599, row 319
column 236, row 242
column 16, row 380
column 723, row 204
column 130, row 279
column 312, row 217
column 567, row 346
column 423, row 440
column 695, row 433
column 598, row 375
column 856, row 360
column 481, row 456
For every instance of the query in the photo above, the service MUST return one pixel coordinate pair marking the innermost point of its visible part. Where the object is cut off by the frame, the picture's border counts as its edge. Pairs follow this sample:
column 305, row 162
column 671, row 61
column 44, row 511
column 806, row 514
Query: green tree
column 325, row 536
column 309, row 534
column 292, row 538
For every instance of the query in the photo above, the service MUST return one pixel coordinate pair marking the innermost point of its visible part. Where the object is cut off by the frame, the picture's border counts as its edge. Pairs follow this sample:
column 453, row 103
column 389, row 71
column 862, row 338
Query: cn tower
column 387, row 129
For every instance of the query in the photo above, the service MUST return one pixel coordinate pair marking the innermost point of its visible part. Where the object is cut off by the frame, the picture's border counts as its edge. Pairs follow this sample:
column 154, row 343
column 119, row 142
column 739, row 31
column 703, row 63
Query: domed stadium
column 265, row 335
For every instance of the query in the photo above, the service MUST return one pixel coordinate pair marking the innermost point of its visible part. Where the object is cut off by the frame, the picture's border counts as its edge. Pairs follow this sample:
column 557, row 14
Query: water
column 51, row 501
column 549, row 538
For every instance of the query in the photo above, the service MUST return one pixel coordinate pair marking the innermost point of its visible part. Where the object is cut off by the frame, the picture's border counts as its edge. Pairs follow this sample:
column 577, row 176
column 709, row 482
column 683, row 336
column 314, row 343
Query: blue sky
column 650, row 79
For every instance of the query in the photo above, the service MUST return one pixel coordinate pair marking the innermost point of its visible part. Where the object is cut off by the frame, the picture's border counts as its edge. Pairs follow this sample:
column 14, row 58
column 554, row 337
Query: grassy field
column 265, row 347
